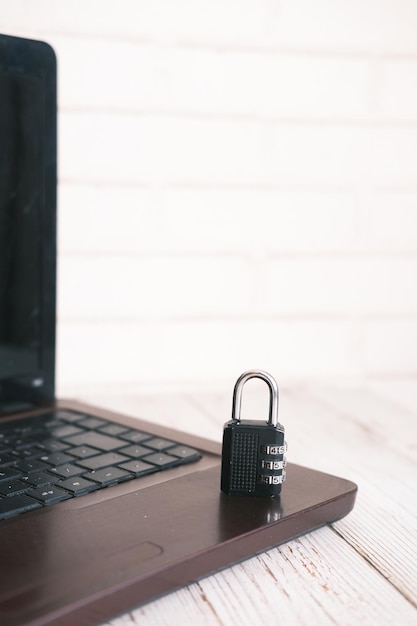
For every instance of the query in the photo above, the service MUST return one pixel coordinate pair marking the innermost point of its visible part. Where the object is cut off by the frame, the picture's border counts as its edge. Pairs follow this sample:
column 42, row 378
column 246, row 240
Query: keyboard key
column 96, row 440
column 156, row 443
column 13, row 505
column 92, row 422
column 7, row 445
column 7, row 459
column 43, row 428
column 65, row 431
column 69, row 416
column 52, row 445
column 56, row 458
column 32, row 452
column 67, row 470
column 6, row 473
column 109, row 476
column 113, row 429
column 39, row 479
column 139, row 468
column 20, row 443
column 13, row 487
column 135, row 436
column 103, row 460
column 185, row 453
column 78, row 486
column 135, row 451
column 50, row 494
column 161, row 460
column 83, row 452
column 32, row 465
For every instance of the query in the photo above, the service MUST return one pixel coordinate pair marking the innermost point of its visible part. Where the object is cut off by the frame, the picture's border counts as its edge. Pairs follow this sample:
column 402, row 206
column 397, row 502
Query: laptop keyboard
column 63, row 454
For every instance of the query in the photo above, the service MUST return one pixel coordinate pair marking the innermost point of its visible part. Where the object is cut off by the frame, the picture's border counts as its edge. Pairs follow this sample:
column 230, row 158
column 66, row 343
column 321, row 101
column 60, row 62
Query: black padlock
column 254, row 452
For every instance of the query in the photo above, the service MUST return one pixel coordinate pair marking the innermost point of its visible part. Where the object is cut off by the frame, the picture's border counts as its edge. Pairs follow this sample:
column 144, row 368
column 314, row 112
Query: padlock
column 254, row 452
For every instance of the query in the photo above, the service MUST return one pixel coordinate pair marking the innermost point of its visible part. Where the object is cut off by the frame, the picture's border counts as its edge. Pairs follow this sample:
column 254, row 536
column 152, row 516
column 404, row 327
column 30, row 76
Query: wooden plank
column 354, row 433
column 357, row 445
column 380, row 413
column 315, row 580
column 402, row 392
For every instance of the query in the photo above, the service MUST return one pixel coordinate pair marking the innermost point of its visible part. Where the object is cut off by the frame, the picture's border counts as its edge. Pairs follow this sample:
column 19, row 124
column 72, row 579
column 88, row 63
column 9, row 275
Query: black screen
column 20, row 197
column 27, row 221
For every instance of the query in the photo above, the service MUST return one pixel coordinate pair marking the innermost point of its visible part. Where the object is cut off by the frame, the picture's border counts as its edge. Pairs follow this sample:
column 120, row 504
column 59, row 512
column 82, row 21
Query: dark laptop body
column 86, row 559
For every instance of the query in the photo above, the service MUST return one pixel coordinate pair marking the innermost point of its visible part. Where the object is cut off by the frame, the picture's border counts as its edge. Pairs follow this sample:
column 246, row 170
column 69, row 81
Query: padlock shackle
column 273, row 394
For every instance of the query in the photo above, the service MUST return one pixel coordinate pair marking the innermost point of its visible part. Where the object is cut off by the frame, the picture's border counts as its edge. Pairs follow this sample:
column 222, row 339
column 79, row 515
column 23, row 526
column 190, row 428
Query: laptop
column 99, row 512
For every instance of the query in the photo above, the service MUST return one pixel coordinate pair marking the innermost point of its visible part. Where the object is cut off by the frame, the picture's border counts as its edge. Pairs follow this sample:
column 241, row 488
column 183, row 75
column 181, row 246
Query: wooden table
column 360, row 570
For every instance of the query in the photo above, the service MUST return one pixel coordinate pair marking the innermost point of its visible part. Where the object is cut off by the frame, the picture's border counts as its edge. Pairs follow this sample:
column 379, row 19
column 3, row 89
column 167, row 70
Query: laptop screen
column 27, row 222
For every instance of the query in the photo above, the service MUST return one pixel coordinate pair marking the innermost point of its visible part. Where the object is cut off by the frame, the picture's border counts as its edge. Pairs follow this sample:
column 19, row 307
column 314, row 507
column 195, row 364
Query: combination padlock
column 253, row 455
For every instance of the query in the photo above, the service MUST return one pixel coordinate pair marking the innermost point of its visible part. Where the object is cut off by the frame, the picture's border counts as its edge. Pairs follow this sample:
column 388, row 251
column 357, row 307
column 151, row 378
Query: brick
column 305, row 85
column 342, row 286
column 272, row 84
column 393, row 158
column 104, row 147
column 215, row 21
column 388, row 222
column 341, row 154
column 308, row 154
column 362, row 25
column 148, row 149
column 126, row 76
column 192, row 351
column 137, row 149
column 56, row 16
column 102, row 74
column 249, row 221
column 398, row 98
column 127, row 287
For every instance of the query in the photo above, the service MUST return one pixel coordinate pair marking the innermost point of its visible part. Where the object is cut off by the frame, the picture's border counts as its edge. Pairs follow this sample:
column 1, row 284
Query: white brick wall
column 238, row 187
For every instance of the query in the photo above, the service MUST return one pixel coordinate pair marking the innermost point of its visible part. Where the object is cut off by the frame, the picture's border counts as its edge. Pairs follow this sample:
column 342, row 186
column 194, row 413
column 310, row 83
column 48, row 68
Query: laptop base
column 88, row 559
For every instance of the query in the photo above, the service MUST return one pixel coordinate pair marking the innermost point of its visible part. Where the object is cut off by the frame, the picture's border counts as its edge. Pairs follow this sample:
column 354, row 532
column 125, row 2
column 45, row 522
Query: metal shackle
column 273, row 394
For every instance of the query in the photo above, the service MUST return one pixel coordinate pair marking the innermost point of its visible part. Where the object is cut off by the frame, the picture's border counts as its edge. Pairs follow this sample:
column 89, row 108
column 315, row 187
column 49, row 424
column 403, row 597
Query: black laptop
column 98, row 512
